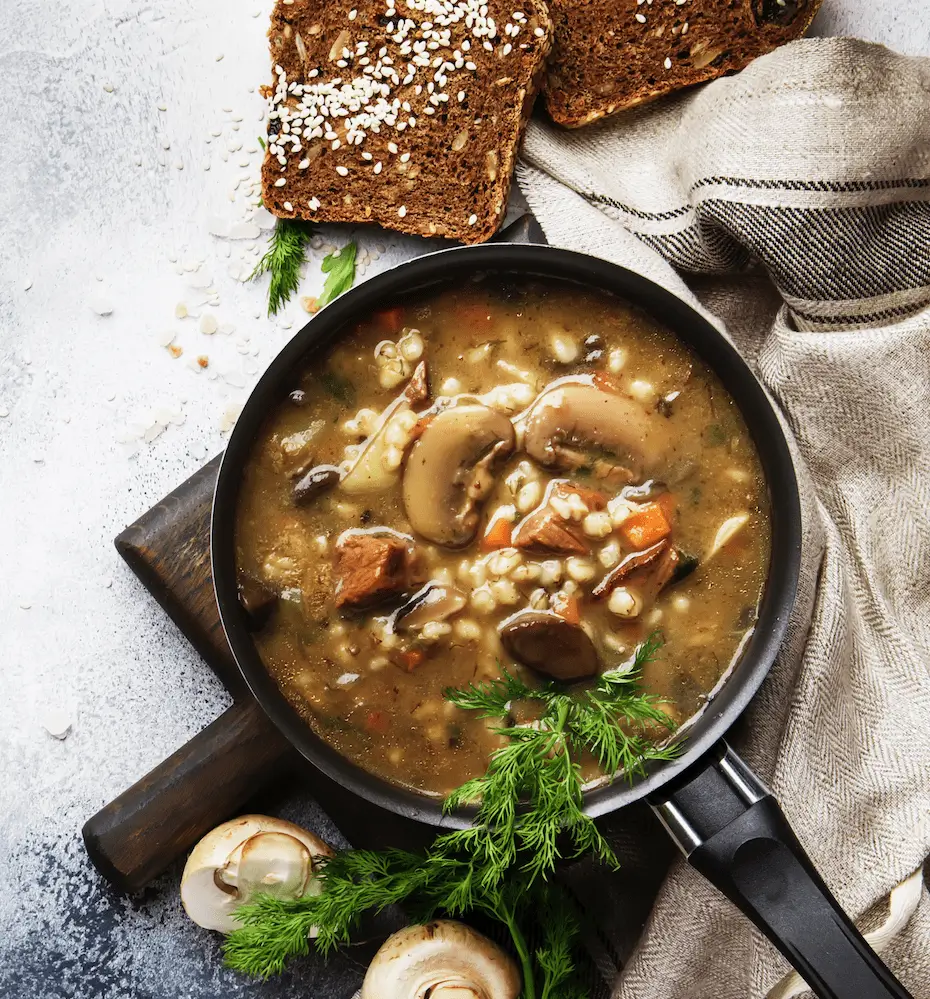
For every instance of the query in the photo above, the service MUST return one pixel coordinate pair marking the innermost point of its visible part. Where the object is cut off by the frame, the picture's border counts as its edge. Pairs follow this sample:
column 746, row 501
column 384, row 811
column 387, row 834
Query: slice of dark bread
column 432, row 152
column 612, row 54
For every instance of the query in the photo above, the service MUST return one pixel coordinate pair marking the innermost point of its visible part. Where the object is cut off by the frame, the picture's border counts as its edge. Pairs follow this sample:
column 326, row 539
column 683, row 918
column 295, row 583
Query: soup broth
column 532, row 476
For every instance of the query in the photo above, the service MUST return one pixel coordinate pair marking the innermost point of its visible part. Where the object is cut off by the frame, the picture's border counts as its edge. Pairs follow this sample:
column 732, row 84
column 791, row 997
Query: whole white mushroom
column 441, row 960
column 245, row 857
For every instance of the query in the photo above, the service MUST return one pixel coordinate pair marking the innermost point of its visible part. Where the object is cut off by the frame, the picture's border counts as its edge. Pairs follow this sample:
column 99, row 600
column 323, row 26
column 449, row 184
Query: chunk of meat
column 545, row 531
column 369, row 568
column 591, row 498
column 417, row 390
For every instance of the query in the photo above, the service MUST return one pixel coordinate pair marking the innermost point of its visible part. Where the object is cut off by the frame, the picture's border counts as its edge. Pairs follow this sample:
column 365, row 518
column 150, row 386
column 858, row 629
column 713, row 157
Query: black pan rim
column 694, row 329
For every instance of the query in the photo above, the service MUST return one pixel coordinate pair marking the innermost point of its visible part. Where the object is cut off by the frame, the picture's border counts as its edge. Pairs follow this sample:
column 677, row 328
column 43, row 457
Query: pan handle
column 733, row 831
column 137, row 836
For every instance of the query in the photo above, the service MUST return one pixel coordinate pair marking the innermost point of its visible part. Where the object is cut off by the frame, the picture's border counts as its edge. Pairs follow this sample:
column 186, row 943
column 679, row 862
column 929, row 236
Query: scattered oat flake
column 174, row 350
column 229, row 417
column 4, row 412
column 57, row 722
column 310, row 304
column 203, row 361
column 180, row 311
column 165, row 339
column 208, row 324
column 27, row 285
column 101, row 305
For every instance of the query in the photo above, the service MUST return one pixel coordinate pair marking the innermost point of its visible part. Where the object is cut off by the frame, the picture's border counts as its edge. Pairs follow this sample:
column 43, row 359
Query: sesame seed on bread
column 406, row 116
column 612, row 55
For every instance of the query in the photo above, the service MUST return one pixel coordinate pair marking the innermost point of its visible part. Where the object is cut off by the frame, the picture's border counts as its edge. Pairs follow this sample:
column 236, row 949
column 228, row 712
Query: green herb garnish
column 340, row 273
column 716, row 435
column 286, row 253
column 261, row 142
column 529, row 804
column 341, row 389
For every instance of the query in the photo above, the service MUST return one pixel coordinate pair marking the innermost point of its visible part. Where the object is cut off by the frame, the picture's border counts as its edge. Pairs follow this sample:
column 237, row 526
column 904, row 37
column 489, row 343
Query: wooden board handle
column 137, row 836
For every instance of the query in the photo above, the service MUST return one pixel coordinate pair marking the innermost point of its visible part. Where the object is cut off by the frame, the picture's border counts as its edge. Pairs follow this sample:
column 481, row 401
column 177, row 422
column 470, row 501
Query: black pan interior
column 456, row 266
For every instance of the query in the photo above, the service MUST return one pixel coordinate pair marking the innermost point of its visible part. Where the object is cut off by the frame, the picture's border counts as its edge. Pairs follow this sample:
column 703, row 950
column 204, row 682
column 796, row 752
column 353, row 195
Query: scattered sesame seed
column 342, row 171
column 367, row 156
column 668, row 63
column 684, row 28
column 641, row 18
column 472, row 219
column 303, row 164
column 314, row 204
column 392, row 147
column 538, row 32
column 402, row 211
column 288, row 207
column 280, row 182
column 353, row 14
column 378, row 166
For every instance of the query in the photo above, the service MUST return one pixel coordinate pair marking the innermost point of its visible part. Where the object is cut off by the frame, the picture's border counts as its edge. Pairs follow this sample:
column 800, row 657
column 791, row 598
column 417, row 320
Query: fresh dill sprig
column 529, row 804
column 532, row 792
column 286, row 253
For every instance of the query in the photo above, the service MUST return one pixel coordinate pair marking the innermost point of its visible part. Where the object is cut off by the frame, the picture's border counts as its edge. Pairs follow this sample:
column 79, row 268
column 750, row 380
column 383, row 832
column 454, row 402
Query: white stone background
column 104, row 198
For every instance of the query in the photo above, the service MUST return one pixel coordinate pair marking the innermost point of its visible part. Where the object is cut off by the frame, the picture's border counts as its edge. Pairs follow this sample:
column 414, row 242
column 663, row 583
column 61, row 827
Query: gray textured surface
column 94, row 205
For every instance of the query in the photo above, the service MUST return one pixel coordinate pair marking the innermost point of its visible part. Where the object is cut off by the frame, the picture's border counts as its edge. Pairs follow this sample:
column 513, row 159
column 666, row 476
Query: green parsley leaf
column 340, row 273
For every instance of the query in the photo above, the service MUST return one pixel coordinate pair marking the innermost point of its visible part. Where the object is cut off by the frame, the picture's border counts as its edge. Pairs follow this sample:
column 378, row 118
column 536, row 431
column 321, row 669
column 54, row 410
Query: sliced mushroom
column 434, row 602
column 451, row 469
column 549, row 644
column 636, row 560
column 316, row 481
column 239, row 859
column 443, row 960
column 258, row 599
column 572, row 421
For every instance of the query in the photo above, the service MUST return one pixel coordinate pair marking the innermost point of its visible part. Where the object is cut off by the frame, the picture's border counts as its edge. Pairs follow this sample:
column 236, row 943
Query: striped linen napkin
column 792, row 203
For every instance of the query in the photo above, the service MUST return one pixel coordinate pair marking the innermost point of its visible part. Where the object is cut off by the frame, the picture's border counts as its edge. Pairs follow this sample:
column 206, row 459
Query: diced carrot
column 391, row 319
column 377, row 721
column 669, row 505
column 411, row 659
column 497, row 535
column 567, row 607
column 647, row 526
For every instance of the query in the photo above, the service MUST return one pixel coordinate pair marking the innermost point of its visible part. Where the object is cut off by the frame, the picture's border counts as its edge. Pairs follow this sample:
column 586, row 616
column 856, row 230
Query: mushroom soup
column 535, row 477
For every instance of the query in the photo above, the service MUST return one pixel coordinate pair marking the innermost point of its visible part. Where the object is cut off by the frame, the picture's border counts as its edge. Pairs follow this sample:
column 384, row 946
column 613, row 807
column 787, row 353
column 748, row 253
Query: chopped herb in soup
column 538, row 477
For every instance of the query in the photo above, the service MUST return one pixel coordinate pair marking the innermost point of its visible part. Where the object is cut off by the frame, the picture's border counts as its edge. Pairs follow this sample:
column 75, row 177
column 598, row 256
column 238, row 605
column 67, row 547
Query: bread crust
column 606, row 60
column 449, row 173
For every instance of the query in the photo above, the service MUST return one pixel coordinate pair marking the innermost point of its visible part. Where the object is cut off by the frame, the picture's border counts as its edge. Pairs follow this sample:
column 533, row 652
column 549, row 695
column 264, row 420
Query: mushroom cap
column 450, row 470
column 433, row 602
column 441, row 960
column 245, row 856
column 570, row 418
column 549, row 644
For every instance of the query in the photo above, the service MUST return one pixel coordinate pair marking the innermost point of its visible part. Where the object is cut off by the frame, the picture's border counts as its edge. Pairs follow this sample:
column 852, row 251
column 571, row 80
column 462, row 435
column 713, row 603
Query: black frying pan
column 717, row 811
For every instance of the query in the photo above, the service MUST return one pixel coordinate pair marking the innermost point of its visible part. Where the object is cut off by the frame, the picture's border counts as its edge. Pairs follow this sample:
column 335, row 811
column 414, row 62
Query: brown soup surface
column 532, row 476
